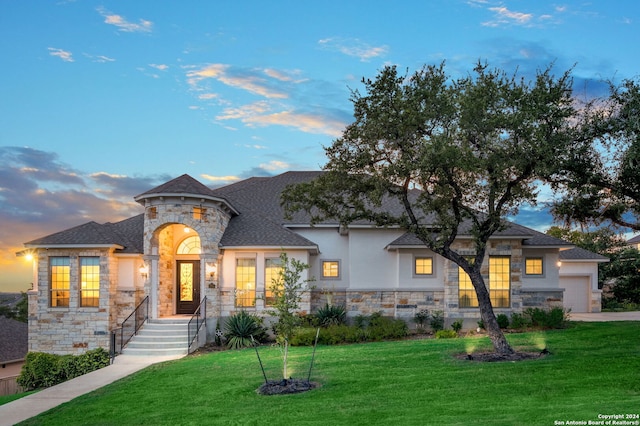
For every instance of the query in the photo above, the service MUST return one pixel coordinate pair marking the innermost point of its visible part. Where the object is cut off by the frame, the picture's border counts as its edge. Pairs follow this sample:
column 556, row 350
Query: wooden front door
column 187, row 286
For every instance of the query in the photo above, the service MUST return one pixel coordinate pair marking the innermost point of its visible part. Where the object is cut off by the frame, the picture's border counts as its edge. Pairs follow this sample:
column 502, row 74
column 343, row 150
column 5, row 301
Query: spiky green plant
column 240, row 327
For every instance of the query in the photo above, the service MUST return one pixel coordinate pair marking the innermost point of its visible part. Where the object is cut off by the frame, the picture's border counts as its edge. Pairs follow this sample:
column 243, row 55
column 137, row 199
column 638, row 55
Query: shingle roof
column 260, row 220
column 13, row 335
column 127, row 234
column 634, row 240
column 184, row 184
column 530, row 237
column 578, row 254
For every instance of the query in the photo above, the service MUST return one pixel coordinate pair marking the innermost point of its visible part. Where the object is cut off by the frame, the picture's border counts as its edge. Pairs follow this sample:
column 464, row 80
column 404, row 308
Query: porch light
column 559, row 263
column 187, row 229
column 144, row 271
column 212, row 270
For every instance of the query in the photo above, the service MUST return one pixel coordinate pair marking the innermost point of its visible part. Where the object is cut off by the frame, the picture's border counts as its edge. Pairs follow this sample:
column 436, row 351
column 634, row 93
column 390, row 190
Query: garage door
column 576, row 294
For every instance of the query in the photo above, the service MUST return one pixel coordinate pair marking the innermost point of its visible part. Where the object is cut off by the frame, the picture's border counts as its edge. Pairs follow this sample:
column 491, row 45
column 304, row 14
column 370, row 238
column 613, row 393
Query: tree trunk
column 499, row 341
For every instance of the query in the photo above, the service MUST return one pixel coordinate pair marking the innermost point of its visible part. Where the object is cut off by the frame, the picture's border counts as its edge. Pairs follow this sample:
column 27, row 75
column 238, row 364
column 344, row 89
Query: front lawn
column 592, row 370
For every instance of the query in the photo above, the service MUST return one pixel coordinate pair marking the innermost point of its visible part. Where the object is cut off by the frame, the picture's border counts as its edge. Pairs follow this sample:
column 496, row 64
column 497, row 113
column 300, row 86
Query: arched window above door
column 190, row 245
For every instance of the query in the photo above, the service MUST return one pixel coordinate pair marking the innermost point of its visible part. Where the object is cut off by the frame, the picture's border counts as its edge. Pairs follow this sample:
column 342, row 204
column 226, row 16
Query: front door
column 188, row 286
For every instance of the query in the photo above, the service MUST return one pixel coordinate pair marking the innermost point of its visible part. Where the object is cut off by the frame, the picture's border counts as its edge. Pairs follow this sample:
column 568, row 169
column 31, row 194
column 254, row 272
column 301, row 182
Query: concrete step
column 159, row 337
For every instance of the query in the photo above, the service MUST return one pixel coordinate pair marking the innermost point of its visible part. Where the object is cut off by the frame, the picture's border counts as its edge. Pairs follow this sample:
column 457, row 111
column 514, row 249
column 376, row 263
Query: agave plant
column 331, row 315
column 239, row 329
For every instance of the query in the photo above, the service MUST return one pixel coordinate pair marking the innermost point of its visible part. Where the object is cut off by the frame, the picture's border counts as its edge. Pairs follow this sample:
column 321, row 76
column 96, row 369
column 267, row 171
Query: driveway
column 605, row 316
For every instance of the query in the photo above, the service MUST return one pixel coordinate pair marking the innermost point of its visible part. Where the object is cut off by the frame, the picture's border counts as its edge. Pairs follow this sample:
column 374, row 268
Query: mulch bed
column 281, row 387
column 495, row 357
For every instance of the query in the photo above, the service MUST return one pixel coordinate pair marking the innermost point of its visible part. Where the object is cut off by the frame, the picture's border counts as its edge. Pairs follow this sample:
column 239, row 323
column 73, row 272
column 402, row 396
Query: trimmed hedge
column 42, row 369
column 374, row 327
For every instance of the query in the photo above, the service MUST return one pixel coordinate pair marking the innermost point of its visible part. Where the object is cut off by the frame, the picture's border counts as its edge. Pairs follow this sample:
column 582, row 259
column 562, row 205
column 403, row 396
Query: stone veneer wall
column 166, row 285
column 73, row 329
column 159, row 241
column 511, row 248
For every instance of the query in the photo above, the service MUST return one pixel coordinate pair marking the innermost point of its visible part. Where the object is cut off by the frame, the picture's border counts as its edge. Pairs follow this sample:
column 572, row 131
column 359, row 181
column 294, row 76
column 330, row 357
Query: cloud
column 99, row 58
column 220, row 180
column 244, row 112
column 161, row 67
column 504, row 16
column 353, row 47
column 275, row 165
column 256, row 81
column 307, row 122
column 143, row 26
column 62, row 54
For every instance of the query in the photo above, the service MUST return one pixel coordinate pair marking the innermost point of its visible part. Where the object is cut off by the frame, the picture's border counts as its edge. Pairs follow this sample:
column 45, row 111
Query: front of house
column 222, row 246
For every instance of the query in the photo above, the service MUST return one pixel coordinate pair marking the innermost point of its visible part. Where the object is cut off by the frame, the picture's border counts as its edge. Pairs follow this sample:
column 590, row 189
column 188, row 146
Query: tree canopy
column 457, row 156
column 602, row 183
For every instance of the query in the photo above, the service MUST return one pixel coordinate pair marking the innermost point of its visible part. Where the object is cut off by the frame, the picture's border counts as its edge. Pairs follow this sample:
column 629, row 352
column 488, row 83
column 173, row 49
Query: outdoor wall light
column 212, row 270
column 144, row 271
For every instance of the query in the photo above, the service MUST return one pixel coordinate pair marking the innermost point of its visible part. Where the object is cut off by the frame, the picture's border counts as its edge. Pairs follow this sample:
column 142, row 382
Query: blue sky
column 102, row 100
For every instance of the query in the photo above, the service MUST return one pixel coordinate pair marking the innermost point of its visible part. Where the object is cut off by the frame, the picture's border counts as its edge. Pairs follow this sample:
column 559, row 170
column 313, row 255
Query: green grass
column 593, row 369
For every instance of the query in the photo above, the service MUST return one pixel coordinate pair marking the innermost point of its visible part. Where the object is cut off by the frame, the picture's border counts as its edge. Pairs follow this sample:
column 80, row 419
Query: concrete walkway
column 606, row 316
column 39, row 402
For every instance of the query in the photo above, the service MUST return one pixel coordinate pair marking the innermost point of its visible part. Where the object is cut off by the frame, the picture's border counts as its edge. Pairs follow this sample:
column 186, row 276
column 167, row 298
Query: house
column 13, row 350
column 634, row 242
column 222, row 246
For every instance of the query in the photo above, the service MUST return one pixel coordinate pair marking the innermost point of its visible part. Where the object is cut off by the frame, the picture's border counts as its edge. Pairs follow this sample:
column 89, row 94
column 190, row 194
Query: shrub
column 331, row 315
column 337, row 334
column 553, row 318
column 382, row 328
column 503, row 320
column 546, row 318
column 446, row 334
column 42, row 370
column 91, row 360
column 437, row 320
column 518, row 321
column 240, row 327
column 304, row 336
column 457, row 325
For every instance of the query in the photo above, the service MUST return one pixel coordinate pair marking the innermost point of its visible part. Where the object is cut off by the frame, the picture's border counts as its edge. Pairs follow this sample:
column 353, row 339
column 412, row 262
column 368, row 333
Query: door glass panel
column 186, row 282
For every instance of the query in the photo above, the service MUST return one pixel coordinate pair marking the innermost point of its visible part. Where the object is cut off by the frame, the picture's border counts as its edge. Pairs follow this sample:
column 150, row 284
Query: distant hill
column 10, row 299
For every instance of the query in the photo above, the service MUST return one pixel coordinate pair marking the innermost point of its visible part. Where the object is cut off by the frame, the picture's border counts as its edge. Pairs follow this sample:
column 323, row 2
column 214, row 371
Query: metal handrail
column 200, row 316
column 139, row 315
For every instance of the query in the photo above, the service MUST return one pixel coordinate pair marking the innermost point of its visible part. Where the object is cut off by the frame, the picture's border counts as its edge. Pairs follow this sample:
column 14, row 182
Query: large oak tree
column 601, row 184
column 458, row 155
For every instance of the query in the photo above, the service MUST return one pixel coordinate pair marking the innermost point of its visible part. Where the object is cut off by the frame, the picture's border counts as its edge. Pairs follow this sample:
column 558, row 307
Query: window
column 500, row 281
column 200, row 213
column 89, row 281
column 467, row 297
column 533, row 266
column 423, row 266
column 245, row 282
column 272, row 276
column 152, row 213
column 60, row 280
column 330, row 269
column 190, row 245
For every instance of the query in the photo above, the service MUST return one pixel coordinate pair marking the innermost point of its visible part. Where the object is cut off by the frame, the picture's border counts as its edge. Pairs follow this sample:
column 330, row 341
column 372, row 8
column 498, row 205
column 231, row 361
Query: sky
column 103, row 100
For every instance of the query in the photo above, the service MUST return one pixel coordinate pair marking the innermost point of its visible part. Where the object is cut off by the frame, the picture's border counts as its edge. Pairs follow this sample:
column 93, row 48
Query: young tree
column 456, row 157
column 602, row 183
column 287, row 290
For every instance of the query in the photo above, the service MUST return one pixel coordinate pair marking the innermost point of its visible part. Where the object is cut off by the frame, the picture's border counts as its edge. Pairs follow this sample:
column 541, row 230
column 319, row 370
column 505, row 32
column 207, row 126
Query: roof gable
column 184, row 184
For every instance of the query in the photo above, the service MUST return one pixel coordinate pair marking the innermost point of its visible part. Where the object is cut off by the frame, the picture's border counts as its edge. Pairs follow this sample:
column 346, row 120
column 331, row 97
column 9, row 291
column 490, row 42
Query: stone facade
column 73, row 329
